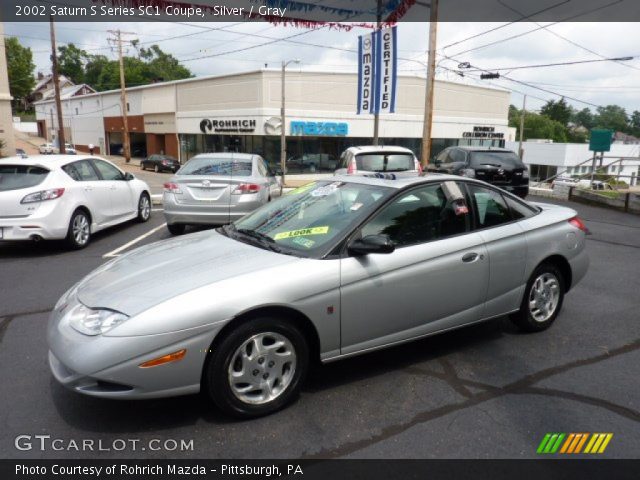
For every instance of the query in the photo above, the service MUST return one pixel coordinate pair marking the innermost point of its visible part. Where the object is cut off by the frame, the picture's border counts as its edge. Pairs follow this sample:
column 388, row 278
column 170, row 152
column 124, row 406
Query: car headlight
column 525, row 173
column 94, row 322
column 468, row 172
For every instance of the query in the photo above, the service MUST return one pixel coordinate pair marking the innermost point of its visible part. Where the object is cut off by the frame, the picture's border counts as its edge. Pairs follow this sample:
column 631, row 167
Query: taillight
column 417, row 165
column 43, row 195
column 352, row 167
column 579, row 224
column 246, row 188
column 171, row 187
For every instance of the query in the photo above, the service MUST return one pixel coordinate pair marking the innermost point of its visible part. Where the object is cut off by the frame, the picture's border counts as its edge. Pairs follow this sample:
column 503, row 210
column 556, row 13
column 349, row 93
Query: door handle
column 471, row 257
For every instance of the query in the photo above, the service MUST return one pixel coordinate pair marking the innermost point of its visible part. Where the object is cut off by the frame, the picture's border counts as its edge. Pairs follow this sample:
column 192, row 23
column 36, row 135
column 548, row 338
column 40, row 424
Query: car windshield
column 216, row 166
column 498, row 159
column 385, row 162
column 14, row 177
column 308, row 219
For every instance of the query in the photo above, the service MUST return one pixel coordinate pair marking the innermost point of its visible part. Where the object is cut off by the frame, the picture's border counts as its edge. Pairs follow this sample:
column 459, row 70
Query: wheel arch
column 290, row 314
column 563, row 265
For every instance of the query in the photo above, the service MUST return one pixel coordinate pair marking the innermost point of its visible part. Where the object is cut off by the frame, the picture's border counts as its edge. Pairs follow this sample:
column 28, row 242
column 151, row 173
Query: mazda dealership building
column 241, row 112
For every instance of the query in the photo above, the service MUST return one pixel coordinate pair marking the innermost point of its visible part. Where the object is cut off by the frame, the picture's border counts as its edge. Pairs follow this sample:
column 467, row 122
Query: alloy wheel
column 262, row 368
column 80, row 229
column 544, row 297
column 144, row 207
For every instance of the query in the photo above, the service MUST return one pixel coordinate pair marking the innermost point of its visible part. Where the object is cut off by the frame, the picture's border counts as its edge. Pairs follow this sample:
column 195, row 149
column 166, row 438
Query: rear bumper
column 205, row 214
column 50, row 222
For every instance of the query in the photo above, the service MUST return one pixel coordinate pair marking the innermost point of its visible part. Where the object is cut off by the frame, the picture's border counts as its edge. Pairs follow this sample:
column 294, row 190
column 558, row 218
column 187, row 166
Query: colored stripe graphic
column 573, row 443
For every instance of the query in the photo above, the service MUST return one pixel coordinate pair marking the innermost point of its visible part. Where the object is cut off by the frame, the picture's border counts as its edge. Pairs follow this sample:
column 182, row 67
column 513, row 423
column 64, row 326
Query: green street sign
column 600, row 140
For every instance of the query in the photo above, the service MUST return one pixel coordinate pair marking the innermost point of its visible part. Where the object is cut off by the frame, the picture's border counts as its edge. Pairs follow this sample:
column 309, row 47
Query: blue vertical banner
column 386, row 70
column 366, row 70
column 377, row 71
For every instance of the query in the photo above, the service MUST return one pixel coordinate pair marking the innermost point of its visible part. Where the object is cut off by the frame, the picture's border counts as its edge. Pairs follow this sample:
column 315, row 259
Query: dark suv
column 502, row 168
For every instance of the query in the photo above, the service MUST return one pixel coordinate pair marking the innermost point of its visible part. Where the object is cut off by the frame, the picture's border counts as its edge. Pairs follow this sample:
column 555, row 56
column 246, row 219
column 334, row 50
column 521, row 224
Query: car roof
column 47, row 161
column 234, row 155
column 398, row 183
column 482, row 149
column 379, row 148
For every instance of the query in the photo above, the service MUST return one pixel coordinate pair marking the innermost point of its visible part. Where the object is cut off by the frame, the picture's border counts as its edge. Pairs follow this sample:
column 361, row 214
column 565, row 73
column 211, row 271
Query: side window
column 108, row 171
column 457, row 156
column 81, row 171
column 421, row 215
column 490, row 206
column 443, row 156
column 262, row 170
column 518, row 210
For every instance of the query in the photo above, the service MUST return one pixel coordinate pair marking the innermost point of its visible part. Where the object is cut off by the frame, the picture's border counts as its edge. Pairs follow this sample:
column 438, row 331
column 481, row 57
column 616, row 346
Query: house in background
column 66, row 95
column 45, row 87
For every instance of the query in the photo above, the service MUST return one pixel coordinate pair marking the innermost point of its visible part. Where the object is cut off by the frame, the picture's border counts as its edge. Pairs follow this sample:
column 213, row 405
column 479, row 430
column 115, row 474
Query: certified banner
column 366, row 59
column 386, row 68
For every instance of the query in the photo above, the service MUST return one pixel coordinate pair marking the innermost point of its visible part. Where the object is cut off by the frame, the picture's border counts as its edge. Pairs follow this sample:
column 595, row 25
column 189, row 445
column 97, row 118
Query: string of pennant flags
column 391, row 11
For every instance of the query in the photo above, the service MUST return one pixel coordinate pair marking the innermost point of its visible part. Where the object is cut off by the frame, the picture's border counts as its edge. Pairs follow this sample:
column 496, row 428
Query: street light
column 283, row 146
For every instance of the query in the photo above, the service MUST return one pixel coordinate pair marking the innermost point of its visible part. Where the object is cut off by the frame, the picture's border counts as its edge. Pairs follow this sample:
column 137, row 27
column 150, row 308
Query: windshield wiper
column 263, row 239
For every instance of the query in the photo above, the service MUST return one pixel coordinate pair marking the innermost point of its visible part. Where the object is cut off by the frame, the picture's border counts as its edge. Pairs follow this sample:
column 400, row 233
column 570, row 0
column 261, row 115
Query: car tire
column 542, row 299
column 144, row 207
column 79, row 232
column 156, row 169
column 286, row 365
column 176, row 228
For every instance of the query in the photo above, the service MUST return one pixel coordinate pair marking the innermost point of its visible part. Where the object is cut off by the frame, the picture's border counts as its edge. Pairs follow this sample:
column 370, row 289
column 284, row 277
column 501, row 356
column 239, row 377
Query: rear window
column 217, row 166
column 496, row 159
column 15, row 177
column 385, row 162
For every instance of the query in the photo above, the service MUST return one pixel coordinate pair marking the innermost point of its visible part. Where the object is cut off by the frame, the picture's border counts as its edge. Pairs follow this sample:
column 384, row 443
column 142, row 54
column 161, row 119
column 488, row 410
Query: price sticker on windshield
column 326, row 190
column 302, row 232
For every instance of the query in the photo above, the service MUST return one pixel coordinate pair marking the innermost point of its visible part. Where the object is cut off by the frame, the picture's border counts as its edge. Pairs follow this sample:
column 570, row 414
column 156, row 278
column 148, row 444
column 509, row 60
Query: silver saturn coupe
column 217, row 188
column 332, row 269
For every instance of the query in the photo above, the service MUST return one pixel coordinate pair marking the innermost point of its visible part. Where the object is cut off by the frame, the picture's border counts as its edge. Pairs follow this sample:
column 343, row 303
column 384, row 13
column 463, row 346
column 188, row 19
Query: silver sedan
column 332, row 269
column 218, row 188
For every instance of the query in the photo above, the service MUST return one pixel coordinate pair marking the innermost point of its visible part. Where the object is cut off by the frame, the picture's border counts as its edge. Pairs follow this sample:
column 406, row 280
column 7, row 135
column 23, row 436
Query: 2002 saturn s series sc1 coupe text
column 332, row 269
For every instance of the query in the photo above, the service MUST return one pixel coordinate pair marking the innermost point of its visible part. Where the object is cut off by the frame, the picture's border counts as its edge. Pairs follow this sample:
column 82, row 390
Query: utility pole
column 283, row 129
column 431, row 73
column 126, row 143
column 522, row 114
column 376, row 115
column 56, row 87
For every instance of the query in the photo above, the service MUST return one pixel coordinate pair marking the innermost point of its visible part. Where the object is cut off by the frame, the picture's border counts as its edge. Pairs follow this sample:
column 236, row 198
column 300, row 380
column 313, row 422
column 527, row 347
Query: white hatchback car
column 62, row 197
column 369, row 160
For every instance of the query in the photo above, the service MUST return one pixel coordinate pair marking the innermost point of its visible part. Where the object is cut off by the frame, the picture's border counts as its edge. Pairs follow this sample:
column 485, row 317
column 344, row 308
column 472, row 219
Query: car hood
column 154, row 273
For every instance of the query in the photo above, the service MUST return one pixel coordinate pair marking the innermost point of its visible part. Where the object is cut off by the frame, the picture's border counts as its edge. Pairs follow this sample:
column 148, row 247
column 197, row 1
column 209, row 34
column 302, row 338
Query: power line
column 523, row 17
column 545, row 65
column 539, row 28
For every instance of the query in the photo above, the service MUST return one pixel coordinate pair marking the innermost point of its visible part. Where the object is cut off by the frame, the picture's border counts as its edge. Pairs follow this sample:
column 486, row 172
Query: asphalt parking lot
column 486, row 391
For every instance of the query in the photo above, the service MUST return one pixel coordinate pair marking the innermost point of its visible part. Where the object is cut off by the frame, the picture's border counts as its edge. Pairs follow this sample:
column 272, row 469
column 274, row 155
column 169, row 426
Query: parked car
column 330, row 270
column 369, row 160
column 502, row 168
column 21, row 153
column 160, row 163
column 46, row 149
column 218, row 188
column 68, row 149
column 63, row 198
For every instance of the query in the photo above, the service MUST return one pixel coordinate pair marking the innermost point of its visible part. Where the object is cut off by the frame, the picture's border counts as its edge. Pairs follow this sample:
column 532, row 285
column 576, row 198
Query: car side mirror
column 128, row 176
column 372, row 244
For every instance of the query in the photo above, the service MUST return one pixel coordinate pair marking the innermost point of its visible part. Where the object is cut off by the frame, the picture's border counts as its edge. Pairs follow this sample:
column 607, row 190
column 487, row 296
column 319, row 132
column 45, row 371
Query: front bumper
column 109, row 367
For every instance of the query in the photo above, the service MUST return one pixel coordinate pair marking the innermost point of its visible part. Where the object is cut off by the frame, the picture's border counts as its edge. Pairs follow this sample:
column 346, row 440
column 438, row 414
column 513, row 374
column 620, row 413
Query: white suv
column 369, row 160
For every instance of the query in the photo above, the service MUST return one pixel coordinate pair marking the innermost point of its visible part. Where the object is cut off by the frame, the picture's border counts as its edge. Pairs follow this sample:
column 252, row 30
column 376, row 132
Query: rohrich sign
column 236, row 125
column 484, row 132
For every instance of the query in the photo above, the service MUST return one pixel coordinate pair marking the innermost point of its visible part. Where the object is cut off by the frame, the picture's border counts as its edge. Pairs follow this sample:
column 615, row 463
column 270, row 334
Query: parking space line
column 116, row 252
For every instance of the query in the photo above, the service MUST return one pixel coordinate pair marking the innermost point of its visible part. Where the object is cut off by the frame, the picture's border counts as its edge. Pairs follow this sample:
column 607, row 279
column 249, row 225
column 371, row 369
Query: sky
column 583, row 85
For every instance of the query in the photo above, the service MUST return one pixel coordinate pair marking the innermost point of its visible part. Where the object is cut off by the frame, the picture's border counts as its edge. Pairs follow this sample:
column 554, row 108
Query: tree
column 151, row 65
column 20, row 69
column 613, row 117
column 539, row 126
column 584, row 118
column 71, row 62
column 559, row 111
